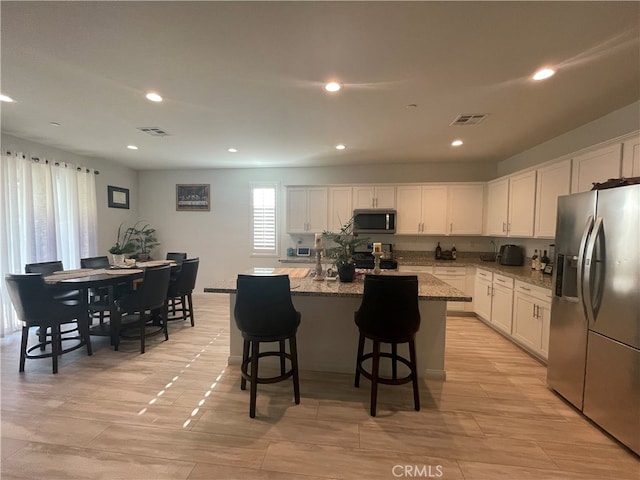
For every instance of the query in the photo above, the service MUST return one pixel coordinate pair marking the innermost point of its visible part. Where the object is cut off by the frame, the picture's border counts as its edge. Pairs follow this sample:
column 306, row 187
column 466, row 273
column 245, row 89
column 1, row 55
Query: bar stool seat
column 388, row 314
column 264, row 313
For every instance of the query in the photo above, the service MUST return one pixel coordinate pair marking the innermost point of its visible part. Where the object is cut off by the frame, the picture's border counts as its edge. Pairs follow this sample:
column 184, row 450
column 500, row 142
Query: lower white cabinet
column 456, row 277
column 531, row 315
column 493, row 299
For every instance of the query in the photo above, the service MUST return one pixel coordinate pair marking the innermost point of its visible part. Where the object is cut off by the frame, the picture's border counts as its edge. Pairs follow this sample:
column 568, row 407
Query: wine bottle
column 534, row 259
column 454, row 252
column 438, row 251
column 544, row 261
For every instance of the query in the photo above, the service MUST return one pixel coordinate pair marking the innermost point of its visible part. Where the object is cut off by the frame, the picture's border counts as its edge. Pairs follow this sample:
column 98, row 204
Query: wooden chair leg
column 165, row 321
column 190, row 299
column 23, row 347
column 282, row 357
column 143, row 320
column 294, row 366
column 359, row 359
column 245, row 357
column 394, row 361
column 255, row 351
column 55, row 346
column 414, row 374
column 374, row 376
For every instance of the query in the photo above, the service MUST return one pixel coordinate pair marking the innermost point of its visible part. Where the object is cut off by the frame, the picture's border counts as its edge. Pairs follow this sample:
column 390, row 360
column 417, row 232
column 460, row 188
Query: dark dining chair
column 95, row 262
column 138, row 307
column 36, row 307
column 263, row 313
column 98, row 297
column 181, row 289
column 388, row 314
column 45, row 268
column 178, row 258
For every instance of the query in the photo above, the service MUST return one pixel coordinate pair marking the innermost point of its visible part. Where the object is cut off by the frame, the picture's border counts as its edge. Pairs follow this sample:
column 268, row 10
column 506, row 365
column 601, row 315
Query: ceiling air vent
column 469, row 119
column 154, row 131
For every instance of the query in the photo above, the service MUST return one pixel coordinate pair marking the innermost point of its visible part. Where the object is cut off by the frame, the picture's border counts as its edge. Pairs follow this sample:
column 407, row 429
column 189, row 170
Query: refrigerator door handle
column 588, row 261
column 581, row 254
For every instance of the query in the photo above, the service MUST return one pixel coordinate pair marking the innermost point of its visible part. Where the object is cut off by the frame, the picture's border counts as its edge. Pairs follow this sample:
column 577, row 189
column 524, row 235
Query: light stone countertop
column 429, row 288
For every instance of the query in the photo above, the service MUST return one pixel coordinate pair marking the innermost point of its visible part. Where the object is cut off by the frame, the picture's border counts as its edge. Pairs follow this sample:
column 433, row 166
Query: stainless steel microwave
column 374, row 221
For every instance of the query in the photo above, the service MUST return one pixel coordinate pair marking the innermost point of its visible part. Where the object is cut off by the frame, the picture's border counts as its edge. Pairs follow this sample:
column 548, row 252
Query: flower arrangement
column 124, row 241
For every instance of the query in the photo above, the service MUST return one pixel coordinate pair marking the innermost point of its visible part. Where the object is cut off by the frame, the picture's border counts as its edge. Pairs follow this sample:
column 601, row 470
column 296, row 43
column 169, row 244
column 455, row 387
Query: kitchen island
column 328, row 337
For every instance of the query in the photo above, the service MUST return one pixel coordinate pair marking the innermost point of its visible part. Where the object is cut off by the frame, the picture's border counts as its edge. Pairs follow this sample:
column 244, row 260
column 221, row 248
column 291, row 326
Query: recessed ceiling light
column 543, row 74
column 54, row 124
column 457, row 143
column 154, row 97
column 340, row 146
column 232, row 150
column 132, row 147
column 4, row 98
column 332, row 87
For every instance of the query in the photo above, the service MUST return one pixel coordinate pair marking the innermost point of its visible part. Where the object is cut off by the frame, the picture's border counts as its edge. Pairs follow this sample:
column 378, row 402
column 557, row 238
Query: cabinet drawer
column 539, row 293
column 462, row 271
column 414, row 269
column 487, row 275
column 502, row 280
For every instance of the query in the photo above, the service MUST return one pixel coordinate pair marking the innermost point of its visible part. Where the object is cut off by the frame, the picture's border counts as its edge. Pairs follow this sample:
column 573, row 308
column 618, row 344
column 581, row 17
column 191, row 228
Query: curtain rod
column 57, row 164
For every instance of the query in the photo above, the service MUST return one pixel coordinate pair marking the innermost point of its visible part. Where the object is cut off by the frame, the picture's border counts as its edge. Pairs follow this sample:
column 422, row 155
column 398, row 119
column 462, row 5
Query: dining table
column 86, row 279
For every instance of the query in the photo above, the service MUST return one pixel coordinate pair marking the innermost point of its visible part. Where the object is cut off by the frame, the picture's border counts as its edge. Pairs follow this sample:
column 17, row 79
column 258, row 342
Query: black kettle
column 512, row 255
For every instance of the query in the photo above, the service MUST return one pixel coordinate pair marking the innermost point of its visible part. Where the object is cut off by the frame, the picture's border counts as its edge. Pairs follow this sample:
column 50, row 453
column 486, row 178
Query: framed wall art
column 193, row 197
column 117, row 197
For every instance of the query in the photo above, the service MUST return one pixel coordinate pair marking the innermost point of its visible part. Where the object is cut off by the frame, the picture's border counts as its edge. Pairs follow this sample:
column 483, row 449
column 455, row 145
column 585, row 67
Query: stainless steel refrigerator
column 594, row 339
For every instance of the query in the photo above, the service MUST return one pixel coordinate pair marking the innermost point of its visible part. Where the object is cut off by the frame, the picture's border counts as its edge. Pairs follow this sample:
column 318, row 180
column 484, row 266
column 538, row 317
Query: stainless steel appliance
column 364, row 257
column 594, row 340
column 511, row 255
column 369, row 221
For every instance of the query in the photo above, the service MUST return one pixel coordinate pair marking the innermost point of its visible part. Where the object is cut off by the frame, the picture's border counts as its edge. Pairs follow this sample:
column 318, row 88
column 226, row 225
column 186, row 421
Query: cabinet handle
column 525, row 288
column 534, row 311
column 504, row 227
column 488, row 287
column 450, row 227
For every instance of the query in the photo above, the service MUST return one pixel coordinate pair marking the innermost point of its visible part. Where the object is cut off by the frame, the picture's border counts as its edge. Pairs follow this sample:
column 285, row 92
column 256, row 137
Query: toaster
column 511, row 255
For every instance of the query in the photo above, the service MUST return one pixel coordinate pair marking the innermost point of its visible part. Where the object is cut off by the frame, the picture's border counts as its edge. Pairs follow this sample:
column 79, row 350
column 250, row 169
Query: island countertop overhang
column 430, row 288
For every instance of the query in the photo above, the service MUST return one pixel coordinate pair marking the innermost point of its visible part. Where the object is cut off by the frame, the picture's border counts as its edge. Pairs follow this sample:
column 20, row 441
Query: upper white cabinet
column 631, row 157
column 440, row 209
column 340, row 207
column 511, row 204
column 306, row 209
column 374, row 196
column 553, row 181
column 596, row 166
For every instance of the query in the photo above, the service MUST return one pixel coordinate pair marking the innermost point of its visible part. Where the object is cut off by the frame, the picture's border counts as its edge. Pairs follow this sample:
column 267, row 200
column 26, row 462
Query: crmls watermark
column 417, row 471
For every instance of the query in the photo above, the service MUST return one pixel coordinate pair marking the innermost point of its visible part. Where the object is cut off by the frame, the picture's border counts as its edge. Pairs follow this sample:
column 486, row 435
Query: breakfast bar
column 328, row 337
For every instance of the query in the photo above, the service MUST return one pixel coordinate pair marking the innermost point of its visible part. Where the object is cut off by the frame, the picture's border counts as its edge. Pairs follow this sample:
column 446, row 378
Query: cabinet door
column 465, row 205
column 340, row 209
column 631, row 157
column 501, row 308
column 296, row 210
column 409, row 219
column 317, row 209
column 363, row 196
column 456, row 280
column 497, row 207
column 482, row 298
column 385, row 197
column 527, row 329
column 544, row 312
column 597, row 166
column 434, row 210
column 522, row 196
column 553, row 181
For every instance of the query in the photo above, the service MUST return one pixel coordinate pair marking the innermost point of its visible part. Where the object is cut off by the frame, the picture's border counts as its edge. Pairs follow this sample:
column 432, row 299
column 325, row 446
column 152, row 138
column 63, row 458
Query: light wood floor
column 177, row 412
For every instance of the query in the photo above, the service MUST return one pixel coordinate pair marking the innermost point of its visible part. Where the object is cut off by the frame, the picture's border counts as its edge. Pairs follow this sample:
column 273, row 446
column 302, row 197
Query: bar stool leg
column 55, row 346
column 294, row 366
column 359, row 359
column 282, row 357
column 374, row 376
column 23, row 346
column 394, row 361
column 414, row 374
column 245, row 357
column 255, row 351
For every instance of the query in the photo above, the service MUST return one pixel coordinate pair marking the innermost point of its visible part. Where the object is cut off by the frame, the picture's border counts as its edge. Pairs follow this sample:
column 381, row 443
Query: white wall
column 618, row 123
column 111, row 173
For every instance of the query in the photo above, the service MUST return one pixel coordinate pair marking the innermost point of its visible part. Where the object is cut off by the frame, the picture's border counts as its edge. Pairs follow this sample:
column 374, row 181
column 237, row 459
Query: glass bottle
column 454, row 252
column 438, row 251
column 544, row 261
column 534, row 259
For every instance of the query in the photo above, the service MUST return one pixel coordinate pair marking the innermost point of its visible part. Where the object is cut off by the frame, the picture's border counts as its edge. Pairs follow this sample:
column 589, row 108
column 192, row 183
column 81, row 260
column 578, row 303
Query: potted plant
column 124, row 245
column 145, row 240
column 345, row 242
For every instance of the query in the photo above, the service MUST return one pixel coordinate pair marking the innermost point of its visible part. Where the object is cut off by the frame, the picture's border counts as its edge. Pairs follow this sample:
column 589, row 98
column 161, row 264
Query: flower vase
column 347, row 272
column 117, row 259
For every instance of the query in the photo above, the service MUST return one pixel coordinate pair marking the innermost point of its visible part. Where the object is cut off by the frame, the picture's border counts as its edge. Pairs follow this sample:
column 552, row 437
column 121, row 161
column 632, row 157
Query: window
column 263, row 221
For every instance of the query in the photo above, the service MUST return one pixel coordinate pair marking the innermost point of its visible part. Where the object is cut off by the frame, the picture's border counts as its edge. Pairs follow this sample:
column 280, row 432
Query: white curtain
column 48, row 212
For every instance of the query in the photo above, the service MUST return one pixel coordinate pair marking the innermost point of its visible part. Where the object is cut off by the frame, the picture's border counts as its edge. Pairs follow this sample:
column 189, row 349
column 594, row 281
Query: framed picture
column 118, row 197
column 194, row 198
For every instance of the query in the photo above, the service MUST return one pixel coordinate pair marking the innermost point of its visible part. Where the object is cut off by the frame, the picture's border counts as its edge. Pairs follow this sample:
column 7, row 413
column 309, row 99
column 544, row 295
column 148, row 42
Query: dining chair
column 180, row 290
column 264, row 313
column 138, row 306
column 98, row 297
column 178, row 258
column 36, row 306
column 95, row 262
column 388, row 314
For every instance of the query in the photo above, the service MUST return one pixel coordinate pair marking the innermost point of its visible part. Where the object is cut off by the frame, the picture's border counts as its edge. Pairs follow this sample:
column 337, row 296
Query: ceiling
column 249, row 75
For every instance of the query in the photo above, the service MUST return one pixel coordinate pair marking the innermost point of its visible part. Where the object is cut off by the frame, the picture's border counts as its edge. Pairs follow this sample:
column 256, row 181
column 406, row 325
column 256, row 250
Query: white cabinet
column 493, row 299
column 374, row 196
column 440, row 209
column 306, row 209
column 531, row 315
column 454, row 276
column 421, row 209
column 553, row 181
column 511, row 204
column 464, row 209
column 596, row 166
column 340, row 207
column 631, row 157
column 497, row 207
